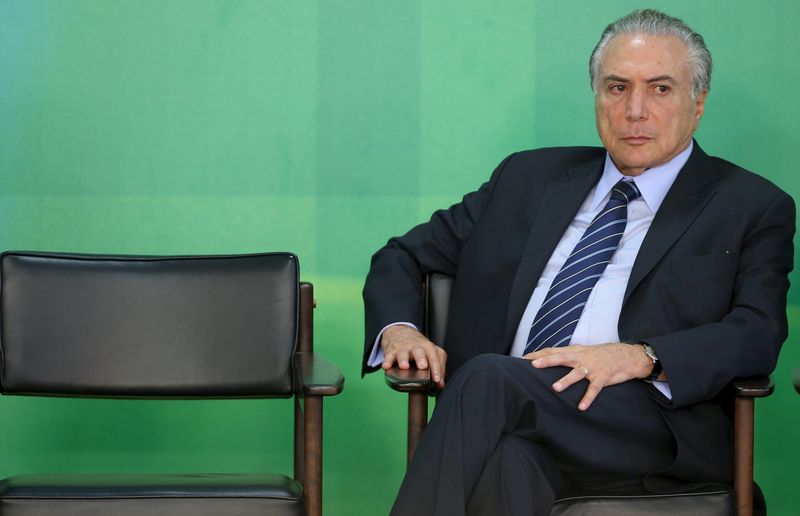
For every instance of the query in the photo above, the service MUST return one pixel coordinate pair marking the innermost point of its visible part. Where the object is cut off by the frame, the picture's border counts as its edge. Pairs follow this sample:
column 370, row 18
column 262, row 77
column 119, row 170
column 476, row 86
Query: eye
column 617, row 88
column 661, row 88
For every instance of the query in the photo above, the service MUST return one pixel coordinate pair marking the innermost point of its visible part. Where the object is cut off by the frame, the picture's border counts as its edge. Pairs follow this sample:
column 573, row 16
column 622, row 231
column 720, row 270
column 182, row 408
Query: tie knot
column 625, row 191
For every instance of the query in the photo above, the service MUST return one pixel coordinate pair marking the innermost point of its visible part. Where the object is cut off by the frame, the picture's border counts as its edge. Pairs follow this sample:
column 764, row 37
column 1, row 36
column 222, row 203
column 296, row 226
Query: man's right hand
column 402, row 343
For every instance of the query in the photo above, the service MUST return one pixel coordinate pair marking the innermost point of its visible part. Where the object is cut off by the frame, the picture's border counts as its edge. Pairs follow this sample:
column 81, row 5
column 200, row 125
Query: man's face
column 643, row 105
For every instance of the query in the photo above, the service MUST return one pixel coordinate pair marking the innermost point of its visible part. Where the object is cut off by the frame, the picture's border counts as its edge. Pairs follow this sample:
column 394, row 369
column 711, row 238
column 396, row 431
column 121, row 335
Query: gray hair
column 657, row 23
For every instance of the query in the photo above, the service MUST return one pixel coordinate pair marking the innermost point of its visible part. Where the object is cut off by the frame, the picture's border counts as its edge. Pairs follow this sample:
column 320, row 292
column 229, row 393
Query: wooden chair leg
column 417, row 420
column 299, row 440
column 312, row 460
column 743, row 455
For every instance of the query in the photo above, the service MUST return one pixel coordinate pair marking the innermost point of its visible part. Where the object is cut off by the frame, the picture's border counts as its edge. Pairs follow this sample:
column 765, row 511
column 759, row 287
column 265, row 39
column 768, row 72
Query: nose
column 637, row 106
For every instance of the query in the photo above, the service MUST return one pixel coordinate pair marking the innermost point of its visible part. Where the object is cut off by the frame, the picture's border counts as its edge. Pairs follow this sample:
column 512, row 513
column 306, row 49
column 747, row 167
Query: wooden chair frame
column 316, row 378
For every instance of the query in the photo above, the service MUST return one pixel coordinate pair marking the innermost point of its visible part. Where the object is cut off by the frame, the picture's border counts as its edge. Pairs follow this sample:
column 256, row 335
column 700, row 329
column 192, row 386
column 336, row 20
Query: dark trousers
column 502, row 442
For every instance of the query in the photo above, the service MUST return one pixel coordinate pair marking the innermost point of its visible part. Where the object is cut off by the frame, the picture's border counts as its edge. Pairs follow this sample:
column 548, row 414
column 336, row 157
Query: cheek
column 610, row 133
column 680, row 127
column 613, row 115
column 603, row 130
column 683, row 119
column 604, row 118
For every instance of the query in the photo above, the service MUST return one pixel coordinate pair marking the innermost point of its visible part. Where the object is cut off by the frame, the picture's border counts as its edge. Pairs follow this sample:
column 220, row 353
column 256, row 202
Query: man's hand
column 601, row 365
column 403, row 343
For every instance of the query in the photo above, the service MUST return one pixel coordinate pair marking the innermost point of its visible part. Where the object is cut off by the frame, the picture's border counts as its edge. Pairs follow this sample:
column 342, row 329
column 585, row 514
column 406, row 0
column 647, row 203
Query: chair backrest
column 117, row 326
column 437, row 305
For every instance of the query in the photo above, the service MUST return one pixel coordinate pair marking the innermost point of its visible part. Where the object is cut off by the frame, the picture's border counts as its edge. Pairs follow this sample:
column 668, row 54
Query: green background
column 200, row 126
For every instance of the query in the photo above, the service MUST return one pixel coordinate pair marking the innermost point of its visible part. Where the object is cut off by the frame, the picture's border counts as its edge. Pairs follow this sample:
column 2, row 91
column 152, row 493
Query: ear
column 700, row 104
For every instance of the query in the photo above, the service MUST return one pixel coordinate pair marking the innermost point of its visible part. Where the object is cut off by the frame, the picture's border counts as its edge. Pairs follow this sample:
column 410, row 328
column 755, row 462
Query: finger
column 442, row 360
column 402, row 359
column 437, row 364
column 433, row 363
column 420, row 357
column 540, row 353
column 388, row 359
column 571, row 350
column 591, row 393
column 436, row 367
column 442, row 356
column 574, row 376
column 554, row 359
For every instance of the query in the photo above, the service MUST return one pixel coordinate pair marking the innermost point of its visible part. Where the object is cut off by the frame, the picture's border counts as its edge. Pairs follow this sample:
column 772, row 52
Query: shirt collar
column 653, row 183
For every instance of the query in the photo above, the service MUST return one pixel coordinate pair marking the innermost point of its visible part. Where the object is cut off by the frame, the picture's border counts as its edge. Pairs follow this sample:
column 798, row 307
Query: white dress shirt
column 599, row 319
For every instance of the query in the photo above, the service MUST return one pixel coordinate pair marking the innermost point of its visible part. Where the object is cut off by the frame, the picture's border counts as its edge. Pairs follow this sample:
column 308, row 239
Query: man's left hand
column 601, row 365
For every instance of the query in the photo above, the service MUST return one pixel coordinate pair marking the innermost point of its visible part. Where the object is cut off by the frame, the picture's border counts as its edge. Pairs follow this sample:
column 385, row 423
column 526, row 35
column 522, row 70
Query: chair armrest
column 410, row 380
column 317, row 376
column 754, row 387
column 797, row 380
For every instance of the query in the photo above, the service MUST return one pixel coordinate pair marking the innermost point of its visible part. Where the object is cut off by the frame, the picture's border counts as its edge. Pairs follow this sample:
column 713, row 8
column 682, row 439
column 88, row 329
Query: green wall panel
column 368, row 98
column 158, row 97
column 321, row 127
column 477, row 89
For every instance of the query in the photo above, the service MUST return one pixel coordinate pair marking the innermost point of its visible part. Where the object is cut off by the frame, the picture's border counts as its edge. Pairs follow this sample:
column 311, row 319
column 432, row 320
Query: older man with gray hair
column 603, row 299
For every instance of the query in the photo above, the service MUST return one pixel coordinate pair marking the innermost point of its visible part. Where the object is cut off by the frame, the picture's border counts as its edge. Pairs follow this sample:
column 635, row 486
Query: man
column 635, row 281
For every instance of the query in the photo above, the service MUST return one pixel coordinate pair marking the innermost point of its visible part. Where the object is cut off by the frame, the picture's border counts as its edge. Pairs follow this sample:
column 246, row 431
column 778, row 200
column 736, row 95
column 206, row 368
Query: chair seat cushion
column 710, row 502
column 130, row 494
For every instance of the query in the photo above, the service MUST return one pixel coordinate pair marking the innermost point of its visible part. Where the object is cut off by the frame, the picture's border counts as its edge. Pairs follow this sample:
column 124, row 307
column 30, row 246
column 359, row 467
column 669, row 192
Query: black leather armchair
column 737, row 499
column 165, row 327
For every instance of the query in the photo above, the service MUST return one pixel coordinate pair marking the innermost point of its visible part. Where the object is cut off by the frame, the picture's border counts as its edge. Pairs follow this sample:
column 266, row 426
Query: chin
column 640, row 165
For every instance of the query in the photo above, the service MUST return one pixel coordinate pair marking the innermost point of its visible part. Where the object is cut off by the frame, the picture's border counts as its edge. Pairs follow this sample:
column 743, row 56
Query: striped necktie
column 559, row 314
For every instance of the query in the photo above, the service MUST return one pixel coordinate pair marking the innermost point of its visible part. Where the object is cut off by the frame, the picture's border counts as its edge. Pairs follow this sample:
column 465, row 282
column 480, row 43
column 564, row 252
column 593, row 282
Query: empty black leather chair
column 165, row 327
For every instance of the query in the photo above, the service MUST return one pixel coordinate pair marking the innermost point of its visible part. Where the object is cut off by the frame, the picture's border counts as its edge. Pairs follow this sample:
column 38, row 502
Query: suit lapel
column 685, row 200
column 561, row 201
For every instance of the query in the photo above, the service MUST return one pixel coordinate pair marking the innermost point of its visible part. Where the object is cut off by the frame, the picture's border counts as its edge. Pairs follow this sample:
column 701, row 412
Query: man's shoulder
column 570, row 156
column 742, row 179
column 551, row 162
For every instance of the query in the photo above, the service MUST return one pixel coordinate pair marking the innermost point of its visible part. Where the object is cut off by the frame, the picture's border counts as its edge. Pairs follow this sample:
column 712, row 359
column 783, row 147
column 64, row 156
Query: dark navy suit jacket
column 707, row 290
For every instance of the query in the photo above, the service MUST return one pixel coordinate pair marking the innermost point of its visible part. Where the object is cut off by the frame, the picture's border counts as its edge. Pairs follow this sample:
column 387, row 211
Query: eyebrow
column 659, row 78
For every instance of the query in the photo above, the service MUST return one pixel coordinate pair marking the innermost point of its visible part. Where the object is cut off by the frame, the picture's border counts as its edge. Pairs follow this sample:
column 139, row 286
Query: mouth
column 636, row 140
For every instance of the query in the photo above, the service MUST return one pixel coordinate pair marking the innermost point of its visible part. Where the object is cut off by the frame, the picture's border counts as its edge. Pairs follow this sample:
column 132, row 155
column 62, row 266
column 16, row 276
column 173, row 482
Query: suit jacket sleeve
column 392, row 291
column 701, row 361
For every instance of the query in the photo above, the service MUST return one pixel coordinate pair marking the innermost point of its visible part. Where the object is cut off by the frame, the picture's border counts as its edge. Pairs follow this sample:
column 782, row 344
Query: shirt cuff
column 376, row 355
column 663, row 388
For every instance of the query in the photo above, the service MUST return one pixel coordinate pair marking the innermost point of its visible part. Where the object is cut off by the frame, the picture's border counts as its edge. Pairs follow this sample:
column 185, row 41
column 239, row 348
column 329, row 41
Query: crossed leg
column 502, row 442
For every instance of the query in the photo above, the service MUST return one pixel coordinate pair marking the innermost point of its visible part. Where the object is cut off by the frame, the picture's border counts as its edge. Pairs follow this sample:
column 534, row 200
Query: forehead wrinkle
column 661, row 78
